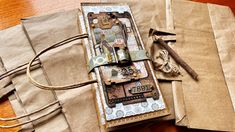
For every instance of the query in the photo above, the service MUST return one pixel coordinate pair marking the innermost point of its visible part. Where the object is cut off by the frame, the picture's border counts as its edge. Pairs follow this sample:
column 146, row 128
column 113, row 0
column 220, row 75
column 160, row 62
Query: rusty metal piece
column 141, row 89
column 105, row 21
column 174, row 55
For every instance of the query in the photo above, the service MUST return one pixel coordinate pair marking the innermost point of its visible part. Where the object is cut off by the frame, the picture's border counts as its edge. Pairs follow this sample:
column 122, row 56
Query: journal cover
column 128, row 90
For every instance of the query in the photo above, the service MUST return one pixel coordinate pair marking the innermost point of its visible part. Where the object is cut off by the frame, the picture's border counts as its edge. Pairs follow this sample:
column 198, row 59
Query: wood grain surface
column 11, row 11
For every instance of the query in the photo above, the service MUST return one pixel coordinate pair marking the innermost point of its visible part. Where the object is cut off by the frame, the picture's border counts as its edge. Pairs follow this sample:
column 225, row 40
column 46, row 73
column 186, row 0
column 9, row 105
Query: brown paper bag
column 5, row 87
column 207, row 102
column 223, row 24
column 15, row 53
column 65, row 65
column 8, row 90
column 19, row 110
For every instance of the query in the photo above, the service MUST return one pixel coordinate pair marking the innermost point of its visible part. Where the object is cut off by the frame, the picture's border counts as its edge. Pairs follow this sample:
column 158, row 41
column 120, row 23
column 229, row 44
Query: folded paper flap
column 54, row 23
column 6, row 81
column 6, row 91
column 5, row 87
column 223, row 24
column 167, row 93
column 180, row 110
column 11, row 54
column 80, row 111
column 62, row 61
column 202, row 98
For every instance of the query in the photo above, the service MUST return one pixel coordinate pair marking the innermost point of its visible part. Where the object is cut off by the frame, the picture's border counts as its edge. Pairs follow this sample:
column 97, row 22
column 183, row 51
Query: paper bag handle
column 65, row 87
column 32, row 113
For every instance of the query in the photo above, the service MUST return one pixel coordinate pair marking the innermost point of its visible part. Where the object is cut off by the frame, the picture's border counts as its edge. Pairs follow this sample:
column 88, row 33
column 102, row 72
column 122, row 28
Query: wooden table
column 11, row 11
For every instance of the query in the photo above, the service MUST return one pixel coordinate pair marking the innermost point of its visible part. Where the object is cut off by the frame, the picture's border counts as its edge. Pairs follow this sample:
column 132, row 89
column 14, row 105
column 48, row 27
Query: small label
column 141, row 89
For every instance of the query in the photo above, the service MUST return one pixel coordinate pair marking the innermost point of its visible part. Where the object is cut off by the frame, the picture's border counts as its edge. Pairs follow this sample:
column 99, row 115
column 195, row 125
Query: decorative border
column 120, row 111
